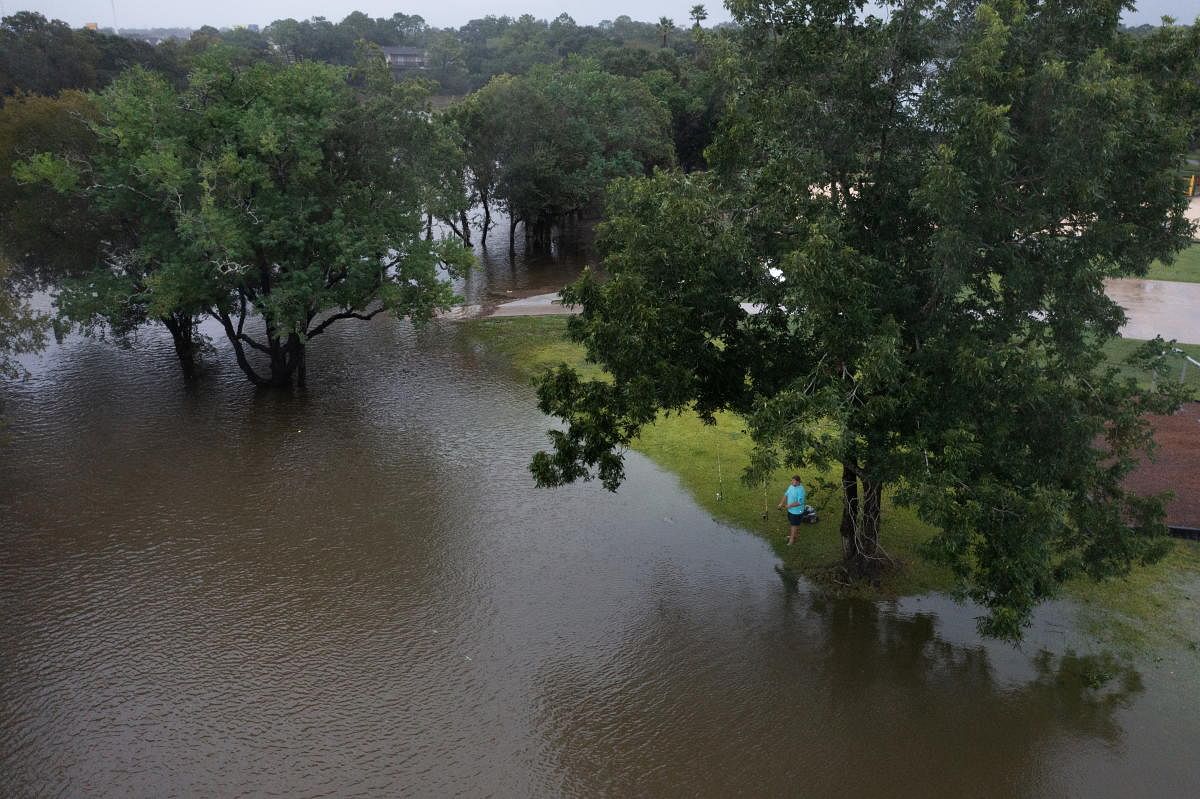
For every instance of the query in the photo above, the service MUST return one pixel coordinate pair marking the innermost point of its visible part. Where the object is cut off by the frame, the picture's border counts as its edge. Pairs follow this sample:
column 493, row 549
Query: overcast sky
column 442, row 13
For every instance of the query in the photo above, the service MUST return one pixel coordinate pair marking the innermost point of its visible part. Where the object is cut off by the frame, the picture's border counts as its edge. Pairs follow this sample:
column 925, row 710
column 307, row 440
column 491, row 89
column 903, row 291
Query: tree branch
column 236, row 334
column 236, row 339
column 343, row 315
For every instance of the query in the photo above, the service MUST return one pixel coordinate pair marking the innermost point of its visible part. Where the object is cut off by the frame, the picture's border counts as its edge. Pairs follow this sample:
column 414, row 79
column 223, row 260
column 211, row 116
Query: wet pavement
column 1158, row 308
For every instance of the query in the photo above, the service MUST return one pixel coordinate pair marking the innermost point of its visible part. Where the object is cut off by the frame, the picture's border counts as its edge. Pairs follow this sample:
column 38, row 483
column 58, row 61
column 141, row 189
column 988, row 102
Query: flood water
column 356, row 591
column 501, row 274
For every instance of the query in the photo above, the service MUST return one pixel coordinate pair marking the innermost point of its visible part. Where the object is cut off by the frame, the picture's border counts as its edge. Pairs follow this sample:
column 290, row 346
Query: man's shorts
column 795, row 518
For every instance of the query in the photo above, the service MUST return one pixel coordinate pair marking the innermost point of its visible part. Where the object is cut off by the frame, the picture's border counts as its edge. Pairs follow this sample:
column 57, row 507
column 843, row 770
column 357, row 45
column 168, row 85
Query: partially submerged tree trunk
column 512, row 233
column 460, row 227
column 183, row 335
column 466, row 227
column 540, row 234
column 487, row 216
column 286, row 355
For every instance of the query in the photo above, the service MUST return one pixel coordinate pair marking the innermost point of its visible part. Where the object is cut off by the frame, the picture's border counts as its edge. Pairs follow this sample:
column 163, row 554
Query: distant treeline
column 46, row 56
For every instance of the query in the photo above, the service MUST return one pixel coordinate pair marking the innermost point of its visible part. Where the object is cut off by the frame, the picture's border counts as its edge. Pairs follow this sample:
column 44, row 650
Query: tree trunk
column 849, row 511
column 869, row 558
column 300, row 356
column 487, row 217
column 512, row 233
column 463, row 232
column 466, row 227
column 284, row 358
column 428, row 226
column 183, row 335
column 862, row 515
column 540, row 234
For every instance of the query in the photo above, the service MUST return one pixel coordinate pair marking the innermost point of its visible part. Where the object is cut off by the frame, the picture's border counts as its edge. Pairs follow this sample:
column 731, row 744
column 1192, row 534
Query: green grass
column 1185, row 268
column 709, row 460
column 1118, row 351
column 1150, row 607
column 530, row 344
column 1153, row 607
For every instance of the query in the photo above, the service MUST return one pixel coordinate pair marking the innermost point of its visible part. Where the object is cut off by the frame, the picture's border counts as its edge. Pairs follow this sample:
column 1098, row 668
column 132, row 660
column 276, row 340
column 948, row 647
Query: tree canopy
column 553, row 139
column 42, row 56
column 289, row 197
column 46, row 235
column 921, row 225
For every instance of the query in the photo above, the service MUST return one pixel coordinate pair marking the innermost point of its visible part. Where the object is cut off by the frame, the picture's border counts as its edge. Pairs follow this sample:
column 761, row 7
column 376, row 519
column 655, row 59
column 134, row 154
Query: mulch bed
column 1176, row 465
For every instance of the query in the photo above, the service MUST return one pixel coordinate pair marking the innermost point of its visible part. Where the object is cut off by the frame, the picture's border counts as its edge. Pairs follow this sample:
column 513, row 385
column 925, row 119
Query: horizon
column 145, row 14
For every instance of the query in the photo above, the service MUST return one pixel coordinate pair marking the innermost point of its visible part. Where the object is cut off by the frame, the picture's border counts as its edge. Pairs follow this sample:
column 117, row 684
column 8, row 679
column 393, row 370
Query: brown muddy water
column 500, row 274
column 356, row 591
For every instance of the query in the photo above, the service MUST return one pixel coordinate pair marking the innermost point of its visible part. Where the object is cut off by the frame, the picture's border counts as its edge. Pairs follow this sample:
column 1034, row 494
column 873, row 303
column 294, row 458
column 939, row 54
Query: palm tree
column 665, row 26
column 698, row 15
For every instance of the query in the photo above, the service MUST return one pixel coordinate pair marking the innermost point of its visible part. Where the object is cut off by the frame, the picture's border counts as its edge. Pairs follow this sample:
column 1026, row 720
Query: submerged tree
column 479, row 120
column 287, row 197
column 923, row 208
column 561, row 134
column 22, row 329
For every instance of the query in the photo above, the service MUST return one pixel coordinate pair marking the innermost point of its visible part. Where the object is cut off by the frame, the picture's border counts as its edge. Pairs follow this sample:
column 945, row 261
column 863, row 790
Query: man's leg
column 792, row 533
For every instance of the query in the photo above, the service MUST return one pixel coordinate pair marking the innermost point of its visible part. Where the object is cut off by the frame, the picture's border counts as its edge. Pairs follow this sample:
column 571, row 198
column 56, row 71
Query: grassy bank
column 1148, row 608
column 1185, row 268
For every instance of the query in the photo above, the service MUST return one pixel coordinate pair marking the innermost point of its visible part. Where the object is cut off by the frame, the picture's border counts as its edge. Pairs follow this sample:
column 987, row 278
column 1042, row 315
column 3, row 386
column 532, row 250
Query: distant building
column 405, row 58
column 91, row 26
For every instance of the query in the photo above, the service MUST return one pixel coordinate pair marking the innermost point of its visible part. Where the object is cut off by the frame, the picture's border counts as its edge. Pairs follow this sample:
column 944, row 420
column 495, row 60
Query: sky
column 441, row 13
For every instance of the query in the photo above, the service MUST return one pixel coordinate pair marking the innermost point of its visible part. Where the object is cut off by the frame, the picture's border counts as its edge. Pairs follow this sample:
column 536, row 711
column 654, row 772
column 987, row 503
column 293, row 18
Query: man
column 793, row 502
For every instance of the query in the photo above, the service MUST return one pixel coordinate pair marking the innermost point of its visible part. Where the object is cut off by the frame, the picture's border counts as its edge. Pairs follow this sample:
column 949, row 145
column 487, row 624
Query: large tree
column 44, row 233
column 923, row 208
column 561, row 134
column 480, row 123
column 282, row 198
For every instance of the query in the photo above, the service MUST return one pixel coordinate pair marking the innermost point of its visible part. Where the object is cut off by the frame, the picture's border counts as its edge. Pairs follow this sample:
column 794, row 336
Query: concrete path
column 537, row 305
column 1155, row 307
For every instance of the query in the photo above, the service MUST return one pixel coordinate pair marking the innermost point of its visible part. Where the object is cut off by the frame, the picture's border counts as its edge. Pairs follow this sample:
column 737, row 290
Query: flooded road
column 356, row 591
column 527, row 284
column 1158, row 308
